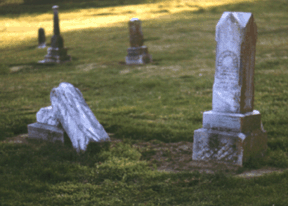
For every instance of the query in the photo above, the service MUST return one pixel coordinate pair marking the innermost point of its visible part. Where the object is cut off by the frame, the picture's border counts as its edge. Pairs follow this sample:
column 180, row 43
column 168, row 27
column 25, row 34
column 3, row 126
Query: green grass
column 163, row 101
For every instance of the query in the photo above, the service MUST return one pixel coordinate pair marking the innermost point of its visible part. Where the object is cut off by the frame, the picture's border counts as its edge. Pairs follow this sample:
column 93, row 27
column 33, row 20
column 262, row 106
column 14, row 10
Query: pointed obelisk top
column 239, row 19
column 56, row 20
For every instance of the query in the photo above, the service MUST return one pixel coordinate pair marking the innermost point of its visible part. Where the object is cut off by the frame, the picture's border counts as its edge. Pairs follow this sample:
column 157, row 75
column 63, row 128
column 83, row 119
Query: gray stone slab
column 45, row 132
column 138, row 55
column 228, row 147
column 232, row 121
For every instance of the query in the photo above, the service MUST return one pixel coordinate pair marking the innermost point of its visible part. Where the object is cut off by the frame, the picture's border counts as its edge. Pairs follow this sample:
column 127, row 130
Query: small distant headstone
column 232, row 131
column 137, row 53
column 41, row 38
column 70, row 113
column 56, row 53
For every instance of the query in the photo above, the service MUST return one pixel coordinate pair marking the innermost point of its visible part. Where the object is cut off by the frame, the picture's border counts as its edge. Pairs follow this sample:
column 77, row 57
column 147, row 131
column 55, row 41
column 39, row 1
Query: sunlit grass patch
column 16, row 30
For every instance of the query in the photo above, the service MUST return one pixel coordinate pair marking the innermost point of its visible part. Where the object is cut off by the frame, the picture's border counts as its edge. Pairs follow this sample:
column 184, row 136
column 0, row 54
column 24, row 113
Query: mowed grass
column 163, row 100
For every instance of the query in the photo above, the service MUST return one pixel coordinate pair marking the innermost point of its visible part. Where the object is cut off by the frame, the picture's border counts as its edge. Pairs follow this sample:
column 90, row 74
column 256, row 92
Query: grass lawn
column 155, row 104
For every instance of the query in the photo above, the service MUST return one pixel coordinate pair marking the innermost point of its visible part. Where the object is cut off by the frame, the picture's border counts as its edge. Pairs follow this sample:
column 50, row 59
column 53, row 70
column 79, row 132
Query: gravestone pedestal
column 137, row 53
column 56, row 55
column 45, row 132
column 232, row 131
column 230, row 138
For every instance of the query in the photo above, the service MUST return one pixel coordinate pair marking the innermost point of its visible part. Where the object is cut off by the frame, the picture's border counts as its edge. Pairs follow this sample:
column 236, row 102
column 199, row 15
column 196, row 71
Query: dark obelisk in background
column 137, row 53
column 56, row 53
column 41, row 38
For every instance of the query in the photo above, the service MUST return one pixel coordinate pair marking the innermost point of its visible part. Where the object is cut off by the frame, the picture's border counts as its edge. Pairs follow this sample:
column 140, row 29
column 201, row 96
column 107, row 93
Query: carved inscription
column 227, row 73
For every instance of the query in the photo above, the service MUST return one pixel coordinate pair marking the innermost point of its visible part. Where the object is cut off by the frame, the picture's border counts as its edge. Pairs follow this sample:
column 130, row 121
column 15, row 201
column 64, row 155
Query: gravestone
column 56, row 53
column 41, row 38
column 232, row 131
column 70, row 113
column 137, row 53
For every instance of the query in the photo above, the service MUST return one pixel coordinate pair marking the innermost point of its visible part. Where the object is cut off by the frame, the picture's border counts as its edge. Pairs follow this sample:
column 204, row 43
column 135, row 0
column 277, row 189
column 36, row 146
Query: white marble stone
column 46, row 115
column 233, row 89
column 76, row 117
column 232, row 131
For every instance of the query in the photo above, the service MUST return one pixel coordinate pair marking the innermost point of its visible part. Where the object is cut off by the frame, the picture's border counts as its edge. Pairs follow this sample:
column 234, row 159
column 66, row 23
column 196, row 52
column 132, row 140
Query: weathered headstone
column 70, row 113
column 41, row 38
column 137, row 53
column 56, row 53
column 232, row 131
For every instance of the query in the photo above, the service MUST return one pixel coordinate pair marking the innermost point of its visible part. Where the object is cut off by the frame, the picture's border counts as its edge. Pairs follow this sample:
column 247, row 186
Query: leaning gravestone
column 137, row 53
column 41, row 38
column 56, row 53
column 232, row 132
column 70, row 113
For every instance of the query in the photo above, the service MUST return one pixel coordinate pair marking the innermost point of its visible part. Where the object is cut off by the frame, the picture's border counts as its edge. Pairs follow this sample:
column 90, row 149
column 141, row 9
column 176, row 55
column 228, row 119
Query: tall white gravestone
column 70, row 113
column 232, row 131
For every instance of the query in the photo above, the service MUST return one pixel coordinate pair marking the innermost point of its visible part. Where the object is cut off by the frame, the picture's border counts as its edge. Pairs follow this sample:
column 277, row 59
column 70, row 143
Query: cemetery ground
column 150, row 111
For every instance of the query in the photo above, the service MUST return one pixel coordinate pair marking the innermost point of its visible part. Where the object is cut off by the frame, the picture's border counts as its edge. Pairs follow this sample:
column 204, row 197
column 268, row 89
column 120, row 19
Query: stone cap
column 240, row 18
column 134, row 19
column 55, row 7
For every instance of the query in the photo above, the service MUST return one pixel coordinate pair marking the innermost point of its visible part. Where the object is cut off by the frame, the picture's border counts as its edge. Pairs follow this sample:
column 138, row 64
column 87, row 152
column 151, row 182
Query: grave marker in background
column 232, row 131
column 56, row 53
column 137, row 53
column 41, row 38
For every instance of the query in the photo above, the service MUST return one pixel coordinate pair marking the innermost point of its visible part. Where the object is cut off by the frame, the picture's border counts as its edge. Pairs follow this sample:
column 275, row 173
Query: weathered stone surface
column 234, row 122
column 56, row 53
column 47, row 115
column 70, row 112
column 45, row 132
column 228, row 147
column 232, row 132
column 75, row 116
column 41, row 38
column 137, row 53
column 136, row 35
column 233, row 89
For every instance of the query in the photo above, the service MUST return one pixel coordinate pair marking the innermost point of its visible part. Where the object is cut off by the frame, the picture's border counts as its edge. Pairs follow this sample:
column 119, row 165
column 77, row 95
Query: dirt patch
column 175, row 157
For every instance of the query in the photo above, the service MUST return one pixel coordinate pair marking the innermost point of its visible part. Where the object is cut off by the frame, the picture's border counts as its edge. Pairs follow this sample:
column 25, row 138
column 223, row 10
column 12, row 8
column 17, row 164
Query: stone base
column 55, row 56
column 228, row 147
column 232, row 122
column 138, row 55
column 42, row 46
column 46, row 132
